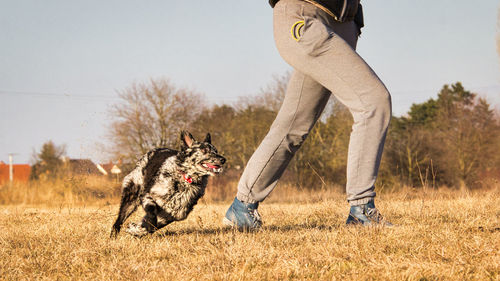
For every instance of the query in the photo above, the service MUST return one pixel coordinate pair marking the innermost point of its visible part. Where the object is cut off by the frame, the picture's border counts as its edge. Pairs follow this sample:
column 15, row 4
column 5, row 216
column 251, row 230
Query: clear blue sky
column 61, row 62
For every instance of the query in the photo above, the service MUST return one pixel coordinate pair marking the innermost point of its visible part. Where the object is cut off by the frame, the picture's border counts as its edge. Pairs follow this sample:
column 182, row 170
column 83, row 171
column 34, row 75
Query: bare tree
column 270, row 97
column 151, row 115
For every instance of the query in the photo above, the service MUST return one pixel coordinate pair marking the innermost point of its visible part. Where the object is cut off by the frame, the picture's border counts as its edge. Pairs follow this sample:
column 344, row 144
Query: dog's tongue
column 211, row 166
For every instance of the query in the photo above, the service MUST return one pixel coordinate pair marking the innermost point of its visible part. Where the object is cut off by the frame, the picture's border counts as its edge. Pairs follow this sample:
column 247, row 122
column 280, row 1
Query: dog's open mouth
column 212, row 167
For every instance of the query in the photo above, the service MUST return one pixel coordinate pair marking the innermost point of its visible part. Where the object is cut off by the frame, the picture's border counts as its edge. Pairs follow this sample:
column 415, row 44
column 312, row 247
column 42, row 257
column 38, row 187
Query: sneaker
column 243, row 216
column 366, row 215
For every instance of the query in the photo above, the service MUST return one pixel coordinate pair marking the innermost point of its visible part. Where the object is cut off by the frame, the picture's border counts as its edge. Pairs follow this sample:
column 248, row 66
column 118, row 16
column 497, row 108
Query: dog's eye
column 205, row 150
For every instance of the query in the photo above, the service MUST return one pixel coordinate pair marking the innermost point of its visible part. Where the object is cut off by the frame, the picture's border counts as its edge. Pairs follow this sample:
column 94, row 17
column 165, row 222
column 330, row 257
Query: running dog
column 167, row 184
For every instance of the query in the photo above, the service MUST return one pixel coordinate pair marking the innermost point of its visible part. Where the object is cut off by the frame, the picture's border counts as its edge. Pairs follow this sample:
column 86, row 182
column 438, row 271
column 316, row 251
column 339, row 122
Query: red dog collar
column 187, row 178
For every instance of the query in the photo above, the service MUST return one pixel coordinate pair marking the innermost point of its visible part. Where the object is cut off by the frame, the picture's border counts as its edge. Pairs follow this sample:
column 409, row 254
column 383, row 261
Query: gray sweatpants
column 322, row 53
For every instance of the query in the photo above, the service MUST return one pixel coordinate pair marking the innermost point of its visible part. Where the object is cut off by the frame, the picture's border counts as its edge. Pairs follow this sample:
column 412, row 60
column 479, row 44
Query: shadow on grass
column 485, row 229
column 225, row 230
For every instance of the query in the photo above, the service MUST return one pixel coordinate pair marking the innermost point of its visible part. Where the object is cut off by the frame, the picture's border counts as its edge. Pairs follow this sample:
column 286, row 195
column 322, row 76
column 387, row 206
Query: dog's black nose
column 222, row 160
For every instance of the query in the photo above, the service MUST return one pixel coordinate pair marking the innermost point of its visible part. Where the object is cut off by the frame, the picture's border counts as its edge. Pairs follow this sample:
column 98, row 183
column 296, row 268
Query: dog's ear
column 208, row 138
column 187, row 139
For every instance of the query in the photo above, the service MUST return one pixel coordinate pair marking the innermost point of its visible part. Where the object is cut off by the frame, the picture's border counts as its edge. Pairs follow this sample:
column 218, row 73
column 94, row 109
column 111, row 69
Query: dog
column 167, row 184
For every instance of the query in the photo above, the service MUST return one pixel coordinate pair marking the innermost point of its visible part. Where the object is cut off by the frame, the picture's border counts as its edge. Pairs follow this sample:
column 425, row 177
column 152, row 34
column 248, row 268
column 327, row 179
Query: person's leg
column 323, row 50
column 304, row 101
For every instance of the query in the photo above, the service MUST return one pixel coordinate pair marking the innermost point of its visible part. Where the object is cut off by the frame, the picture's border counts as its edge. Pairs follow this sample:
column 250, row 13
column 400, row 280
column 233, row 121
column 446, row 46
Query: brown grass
column 441, row 235
column 99, row 191
column 70, row 191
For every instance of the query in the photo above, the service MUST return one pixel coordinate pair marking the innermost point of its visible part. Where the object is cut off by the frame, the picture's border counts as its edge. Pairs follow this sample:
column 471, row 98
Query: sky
column 62, row 62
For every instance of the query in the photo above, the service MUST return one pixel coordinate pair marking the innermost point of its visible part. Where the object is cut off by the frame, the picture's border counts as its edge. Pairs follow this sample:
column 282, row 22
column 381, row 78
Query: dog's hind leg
column 128, row 205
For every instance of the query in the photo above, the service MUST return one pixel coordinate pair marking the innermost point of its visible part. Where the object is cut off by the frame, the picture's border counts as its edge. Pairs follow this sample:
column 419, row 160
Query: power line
column 216, row 98
column 57, row 95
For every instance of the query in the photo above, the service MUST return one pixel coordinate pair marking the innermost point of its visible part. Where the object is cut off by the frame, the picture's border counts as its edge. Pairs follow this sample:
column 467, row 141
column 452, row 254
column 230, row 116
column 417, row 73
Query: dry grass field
column 441, row 235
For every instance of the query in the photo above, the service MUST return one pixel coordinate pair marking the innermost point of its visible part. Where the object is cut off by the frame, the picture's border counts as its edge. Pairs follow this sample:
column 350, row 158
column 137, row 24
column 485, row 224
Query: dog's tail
column 128, row 204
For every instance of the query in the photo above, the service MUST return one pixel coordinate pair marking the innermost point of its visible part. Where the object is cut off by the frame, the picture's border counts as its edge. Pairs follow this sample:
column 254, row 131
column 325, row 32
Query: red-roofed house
column 21, row 172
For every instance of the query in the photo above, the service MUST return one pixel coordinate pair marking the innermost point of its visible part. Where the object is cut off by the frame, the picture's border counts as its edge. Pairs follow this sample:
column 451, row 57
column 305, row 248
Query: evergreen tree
column 48, row 162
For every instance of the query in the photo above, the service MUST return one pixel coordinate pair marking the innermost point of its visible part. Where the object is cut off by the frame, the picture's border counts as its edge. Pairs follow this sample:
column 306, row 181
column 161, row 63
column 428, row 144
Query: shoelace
column 254, row 214
column 374, row 214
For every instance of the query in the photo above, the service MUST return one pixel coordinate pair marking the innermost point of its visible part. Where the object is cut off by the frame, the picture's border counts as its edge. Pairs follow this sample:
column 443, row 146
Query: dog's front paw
column 136, row 230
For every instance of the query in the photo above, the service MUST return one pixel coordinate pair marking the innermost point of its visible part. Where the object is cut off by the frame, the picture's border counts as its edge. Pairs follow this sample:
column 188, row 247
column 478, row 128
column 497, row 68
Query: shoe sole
column 374, row 225
column 230, row 224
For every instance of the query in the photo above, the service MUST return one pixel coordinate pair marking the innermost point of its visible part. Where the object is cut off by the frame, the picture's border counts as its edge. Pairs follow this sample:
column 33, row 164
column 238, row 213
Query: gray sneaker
column 243, row 216
column 366, row 215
